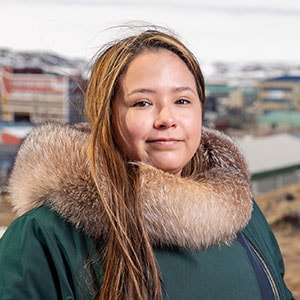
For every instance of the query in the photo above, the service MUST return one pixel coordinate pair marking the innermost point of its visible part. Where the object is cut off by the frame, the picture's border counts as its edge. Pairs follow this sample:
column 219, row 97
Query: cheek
column 198, row 131
column 194, row 123
column 195, row 131
column 137, row 124
column 120, row 131
column 131, row 127
column 130, row 132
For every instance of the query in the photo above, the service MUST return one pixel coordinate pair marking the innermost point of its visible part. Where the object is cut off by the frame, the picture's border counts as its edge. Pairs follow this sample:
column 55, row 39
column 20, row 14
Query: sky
column 215, row 30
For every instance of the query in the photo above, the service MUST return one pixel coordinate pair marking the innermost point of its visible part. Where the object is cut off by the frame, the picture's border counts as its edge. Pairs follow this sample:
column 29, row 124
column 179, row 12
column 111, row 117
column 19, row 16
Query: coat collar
column 51, row 168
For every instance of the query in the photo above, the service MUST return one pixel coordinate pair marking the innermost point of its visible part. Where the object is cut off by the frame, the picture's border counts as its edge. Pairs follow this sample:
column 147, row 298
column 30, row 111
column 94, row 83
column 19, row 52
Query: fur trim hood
column 51, row 168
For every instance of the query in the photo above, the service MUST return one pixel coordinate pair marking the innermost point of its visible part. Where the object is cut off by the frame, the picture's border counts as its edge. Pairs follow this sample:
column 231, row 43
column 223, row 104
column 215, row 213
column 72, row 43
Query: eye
column 182, row 101
column 141, row 103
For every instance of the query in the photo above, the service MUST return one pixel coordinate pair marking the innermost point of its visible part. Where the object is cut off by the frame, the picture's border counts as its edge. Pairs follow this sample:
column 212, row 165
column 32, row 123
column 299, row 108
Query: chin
column 175, row 171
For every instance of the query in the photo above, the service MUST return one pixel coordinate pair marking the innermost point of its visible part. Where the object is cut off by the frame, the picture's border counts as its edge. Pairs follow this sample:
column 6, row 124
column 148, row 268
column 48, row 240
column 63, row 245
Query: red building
column 31, row 95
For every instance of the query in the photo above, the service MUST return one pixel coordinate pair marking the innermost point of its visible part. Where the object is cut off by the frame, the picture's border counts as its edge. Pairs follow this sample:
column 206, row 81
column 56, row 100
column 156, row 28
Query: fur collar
column 51, row 169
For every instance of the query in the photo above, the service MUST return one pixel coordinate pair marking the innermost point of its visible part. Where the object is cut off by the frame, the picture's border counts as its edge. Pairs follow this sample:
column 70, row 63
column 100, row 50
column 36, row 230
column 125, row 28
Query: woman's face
column 157, row 111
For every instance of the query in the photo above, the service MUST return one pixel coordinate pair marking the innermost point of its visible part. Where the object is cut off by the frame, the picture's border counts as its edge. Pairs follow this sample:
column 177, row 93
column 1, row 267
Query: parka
column 200, row 229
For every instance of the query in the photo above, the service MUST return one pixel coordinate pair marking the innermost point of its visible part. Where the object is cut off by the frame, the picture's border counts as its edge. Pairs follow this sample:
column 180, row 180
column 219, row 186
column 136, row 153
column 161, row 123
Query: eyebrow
column 184, row 88
column 150, row 91
column 141, row 91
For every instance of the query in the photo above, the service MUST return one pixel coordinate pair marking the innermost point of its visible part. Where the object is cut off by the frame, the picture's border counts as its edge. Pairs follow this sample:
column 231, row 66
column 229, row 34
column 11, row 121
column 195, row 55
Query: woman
column 141, row 202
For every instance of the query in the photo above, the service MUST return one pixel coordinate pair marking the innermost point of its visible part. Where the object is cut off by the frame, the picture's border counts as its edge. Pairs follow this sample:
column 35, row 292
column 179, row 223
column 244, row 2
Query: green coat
column 52, row 265
column 49, row 253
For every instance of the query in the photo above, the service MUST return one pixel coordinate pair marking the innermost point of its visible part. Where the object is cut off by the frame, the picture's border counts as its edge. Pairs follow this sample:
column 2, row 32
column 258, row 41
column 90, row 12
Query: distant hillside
column 49, row 62
column 241, row 71
column 252, row 70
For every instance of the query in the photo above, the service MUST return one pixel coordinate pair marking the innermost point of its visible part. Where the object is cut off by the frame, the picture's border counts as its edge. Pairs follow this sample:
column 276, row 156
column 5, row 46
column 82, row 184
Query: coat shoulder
column 60, row 252
column 260, row 234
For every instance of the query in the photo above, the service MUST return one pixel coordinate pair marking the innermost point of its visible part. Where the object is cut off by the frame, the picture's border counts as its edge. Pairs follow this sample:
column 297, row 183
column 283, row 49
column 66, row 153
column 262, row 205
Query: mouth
column 164, row 141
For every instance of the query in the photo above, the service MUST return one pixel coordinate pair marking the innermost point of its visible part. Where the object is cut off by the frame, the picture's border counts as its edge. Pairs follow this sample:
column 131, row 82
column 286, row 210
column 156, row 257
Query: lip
column 164, row 141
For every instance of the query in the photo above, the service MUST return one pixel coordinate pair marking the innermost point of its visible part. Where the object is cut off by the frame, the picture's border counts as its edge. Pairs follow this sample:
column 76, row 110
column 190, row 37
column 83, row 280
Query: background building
column 274, row 161
column 35, row 96
column 279, row 94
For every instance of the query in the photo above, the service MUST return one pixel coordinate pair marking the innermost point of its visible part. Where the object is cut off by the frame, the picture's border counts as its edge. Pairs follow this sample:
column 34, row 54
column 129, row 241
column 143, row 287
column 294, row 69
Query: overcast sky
column 215, row 30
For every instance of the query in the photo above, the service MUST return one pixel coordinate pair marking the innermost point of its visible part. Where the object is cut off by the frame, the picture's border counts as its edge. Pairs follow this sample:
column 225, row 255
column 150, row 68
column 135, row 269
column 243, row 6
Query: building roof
column 13, row 133
column 212, row 89
column 265, row 154
column 18, row 132
column 284, row 78
column 291, row 118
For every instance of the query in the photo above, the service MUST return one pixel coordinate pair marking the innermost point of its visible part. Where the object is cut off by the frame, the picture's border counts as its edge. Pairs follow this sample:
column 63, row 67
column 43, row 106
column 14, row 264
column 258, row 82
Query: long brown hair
column 130, row 269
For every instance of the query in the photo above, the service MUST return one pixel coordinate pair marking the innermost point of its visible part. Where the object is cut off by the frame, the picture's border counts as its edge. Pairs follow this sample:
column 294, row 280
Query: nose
column 165, row 119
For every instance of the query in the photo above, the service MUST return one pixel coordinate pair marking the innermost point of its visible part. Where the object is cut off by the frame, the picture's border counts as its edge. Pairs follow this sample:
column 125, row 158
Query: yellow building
column 279, row 94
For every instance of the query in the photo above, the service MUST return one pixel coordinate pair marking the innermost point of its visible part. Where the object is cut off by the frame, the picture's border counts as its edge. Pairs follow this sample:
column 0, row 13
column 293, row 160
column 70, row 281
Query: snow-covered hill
column 229, row 71
column 47, row 62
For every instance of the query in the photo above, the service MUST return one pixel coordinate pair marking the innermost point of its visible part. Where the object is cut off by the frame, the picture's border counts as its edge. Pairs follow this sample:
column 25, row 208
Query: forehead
column 154, row 60
column 156, row 72
column 152, row 52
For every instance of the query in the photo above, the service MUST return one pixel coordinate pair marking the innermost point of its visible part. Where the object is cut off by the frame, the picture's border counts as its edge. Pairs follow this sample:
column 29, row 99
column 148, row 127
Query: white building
column 274, row 161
